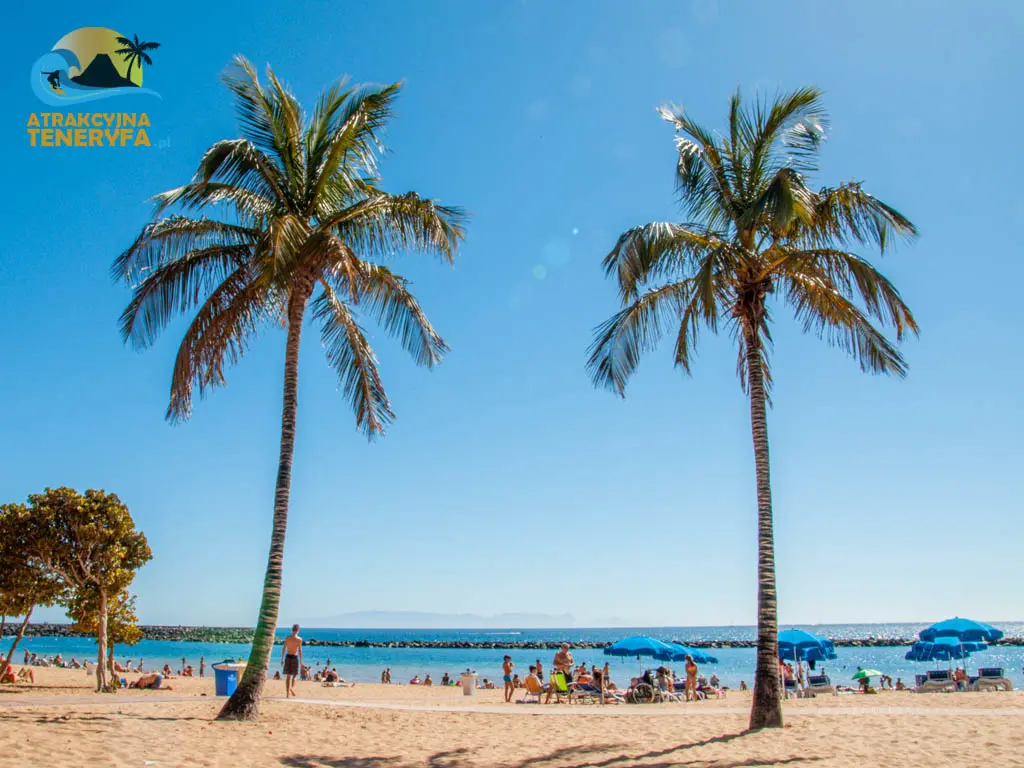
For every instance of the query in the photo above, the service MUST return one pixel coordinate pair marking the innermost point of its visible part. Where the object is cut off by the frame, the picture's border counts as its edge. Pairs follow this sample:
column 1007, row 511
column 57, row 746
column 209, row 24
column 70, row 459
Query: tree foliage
column 24, row 582
column 122, row 622
column 89, row 543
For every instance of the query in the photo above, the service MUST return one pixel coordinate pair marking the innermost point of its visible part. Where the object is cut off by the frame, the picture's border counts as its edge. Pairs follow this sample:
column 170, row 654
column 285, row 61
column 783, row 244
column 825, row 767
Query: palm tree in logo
column 135, row 51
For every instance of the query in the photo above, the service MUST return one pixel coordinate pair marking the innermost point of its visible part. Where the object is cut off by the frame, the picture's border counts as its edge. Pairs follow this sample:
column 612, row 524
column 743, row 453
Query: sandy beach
column 60, row 722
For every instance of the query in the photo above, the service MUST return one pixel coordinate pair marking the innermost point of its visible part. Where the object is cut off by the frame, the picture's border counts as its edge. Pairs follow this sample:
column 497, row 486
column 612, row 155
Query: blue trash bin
column 225, row 680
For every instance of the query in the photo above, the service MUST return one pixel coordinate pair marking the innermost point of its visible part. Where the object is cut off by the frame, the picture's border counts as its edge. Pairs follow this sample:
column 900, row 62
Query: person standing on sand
column 691, row 679
column 291, row 660
column 506, row 669
column 564, row 663
column 202, row 665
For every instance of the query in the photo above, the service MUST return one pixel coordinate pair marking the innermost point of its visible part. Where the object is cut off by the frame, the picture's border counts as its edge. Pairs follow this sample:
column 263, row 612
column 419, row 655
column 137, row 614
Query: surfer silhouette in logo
column 54, row 79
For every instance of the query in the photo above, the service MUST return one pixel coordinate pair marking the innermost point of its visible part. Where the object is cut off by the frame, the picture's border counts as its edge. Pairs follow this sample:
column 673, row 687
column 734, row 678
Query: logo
column 85, row 65
column 92, row 63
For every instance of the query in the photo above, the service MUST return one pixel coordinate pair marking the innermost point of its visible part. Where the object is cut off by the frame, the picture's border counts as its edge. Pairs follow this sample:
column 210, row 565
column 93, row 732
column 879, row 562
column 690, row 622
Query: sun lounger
column 992, row 679
column 664, row 694
column 935, row 680
column 820, row 684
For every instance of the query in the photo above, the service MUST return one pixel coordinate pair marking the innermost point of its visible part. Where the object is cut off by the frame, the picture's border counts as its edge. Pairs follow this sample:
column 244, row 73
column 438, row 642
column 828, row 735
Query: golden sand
column 59, row 722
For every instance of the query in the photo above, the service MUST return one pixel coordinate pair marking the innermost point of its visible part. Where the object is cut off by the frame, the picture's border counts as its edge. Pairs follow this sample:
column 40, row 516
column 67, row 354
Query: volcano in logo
column 92, row 63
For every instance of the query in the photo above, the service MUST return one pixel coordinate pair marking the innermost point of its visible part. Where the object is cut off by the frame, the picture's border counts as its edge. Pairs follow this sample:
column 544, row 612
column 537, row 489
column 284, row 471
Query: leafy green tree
column 24, row 582
column 135, row 51
column 301, row 223
column 755, row 231
column 90, row 543
column 122, row 623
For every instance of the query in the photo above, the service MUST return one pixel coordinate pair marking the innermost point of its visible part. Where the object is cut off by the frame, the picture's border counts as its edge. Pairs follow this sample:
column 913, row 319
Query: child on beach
column 506, row 669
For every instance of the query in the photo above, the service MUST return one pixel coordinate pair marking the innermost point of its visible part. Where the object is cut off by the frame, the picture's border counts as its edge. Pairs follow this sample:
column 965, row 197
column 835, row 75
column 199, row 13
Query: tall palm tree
column 755, row 230
column 135, row 51
column 302, row 224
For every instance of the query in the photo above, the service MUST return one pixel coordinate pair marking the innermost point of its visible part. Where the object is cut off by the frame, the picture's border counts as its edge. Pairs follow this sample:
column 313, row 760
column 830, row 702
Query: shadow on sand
column 591, row 756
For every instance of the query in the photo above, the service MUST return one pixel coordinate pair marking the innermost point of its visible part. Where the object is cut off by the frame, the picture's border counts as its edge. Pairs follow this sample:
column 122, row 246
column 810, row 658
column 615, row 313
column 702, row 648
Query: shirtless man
column 291, row 660
column 563, row 662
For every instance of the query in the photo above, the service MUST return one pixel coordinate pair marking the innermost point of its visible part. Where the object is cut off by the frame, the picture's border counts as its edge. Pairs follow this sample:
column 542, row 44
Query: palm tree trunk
column 766, row 710
column 17, row 639
column 244, row 702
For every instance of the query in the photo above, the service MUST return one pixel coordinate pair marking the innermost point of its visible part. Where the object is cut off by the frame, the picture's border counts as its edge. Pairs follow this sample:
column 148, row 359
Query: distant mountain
column 101, row 73
column 419, row 620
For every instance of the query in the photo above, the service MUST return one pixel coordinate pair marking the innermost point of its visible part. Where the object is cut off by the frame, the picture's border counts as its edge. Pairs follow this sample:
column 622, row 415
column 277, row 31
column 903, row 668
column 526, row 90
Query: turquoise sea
column 365, row 664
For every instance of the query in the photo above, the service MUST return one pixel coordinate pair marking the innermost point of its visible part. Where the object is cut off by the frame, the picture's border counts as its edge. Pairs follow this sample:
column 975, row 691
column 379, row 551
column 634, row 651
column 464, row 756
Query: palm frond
column 381, row 225
column 240, row 163
column 350, row 355
column 656, row 250
column 798, row 122
column 170, row 239
column 350, row 139
column 248, row 206
column 385, row 296
column 219, row 335
column 825, row 311
column 175, row 287
column 633, row 330
column 848, row 214
column 855, row 279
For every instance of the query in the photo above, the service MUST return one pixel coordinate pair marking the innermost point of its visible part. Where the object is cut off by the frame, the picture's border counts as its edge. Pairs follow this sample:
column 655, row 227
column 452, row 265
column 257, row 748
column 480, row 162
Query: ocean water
column 365, row 664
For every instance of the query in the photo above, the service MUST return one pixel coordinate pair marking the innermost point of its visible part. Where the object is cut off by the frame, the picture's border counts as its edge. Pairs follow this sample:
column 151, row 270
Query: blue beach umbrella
column 680, row 652
column 799, row 645
column 963, row 630
column 638, row 646
column 943, row 649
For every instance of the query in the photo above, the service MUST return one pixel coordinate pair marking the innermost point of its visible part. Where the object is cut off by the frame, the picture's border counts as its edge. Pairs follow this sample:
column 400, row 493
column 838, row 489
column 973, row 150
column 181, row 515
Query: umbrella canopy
column 866, row 673
column 943, row 649
column 680, row 652
column 962, row 629
column 638, row 645
column 798, row 645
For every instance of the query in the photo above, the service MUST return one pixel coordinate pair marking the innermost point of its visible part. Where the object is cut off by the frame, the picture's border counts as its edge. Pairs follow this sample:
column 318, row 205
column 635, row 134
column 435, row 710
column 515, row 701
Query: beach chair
column 560, row 688
column 820, row 684
column 992, row 679
column 533, row 689
column 662, row 693
column 935, row 680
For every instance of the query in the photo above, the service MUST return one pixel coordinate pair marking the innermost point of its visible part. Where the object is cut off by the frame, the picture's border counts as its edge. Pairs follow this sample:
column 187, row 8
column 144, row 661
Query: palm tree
column 303, row 224
column 135, row 51
column 756, row 230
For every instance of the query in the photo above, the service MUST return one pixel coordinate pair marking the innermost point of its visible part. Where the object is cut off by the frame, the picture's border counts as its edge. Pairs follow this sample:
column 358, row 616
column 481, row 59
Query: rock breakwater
column 244, row 635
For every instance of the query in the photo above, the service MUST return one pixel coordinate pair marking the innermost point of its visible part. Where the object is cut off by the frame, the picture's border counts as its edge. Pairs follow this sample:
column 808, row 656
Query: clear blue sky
column 508, row 483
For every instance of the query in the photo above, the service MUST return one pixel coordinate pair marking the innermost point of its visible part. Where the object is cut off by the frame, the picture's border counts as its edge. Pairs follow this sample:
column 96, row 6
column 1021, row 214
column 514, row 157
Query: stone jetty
column 244, row 635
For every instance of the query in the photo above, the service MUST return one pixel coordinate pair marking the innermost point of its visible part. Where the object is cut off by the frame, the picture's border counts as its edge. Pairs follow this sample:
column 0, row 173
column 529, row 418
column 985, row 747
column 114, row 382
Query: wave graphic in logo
column 92, row 63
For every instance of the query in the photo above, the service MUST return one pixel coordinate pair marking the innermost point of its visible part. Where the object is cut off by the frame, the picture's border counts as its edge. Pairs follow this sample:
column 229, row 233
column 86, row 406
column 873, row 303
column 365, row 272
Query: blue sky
column 507, row 483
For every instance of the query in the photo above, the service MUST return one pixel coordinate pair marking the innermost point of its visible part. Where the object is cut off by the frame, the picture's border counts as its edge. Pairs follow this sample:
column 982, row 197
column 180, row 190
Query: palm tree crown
column 135, row 51
column 304, row 215
column 755, row 229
